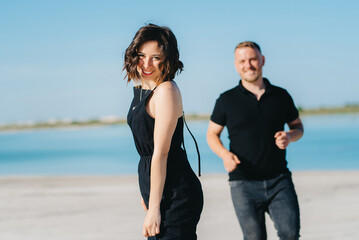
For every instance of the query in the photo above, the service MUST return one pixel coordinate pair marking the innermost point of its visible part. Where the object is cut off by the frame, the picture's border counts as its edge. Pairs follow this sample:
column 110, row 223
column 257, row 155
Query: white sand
column 101, row 208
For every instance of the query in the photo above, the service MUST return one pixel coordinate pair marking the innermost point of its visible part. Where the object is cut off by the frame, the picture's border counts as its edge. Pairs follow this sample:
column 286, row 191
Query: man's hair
column 167, row 44
column 248, row 44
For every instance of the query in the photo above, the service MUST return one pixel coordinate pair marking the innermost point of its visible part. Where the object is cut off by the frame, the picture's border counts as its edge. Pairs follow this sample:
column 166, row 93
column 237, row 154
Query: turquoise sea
column 330, row 142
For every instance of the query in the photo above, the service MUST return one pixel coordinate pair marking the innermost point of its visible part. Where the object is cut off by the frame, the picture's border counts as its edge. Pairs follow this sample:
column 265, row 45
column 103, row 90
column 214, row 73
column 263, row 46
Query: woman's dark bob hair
column 168, row 46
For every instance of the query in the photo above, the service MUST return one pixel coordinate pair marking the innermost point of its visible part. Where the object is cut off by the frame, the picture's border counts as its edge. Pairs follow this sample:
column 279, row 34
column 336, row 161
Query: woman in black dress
column 171, row 192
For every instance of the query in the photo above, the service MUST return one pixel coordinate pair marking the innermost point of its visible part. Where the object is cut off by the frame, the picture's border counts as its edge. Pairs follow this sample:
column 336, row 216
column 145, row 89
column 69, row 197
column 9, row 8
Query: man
column 255, row 113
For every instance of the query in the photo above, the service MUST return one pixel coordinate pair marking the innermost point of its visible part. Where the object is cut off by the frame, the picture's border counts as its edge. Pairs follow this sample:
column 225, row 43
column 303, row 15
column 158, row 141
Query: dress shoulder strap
column 195, row 142
column 153, row 89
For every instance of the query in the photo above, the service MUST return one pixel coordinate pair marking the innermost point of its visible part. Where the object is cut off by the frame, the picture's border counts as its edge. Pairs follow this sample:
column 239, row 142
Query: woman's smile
column 147, row 73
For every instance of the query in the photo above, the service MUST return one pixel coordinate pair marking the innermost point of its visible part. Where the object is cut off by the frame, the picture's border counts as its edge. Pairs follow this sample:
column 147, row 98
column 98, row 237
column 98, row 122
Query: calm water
column 330, row 142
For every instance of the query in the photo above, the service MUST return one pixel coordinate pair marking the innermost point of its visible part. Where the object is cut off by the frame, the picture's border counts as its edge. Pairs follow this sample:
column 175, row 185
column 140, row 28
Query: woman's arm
column 166, row 107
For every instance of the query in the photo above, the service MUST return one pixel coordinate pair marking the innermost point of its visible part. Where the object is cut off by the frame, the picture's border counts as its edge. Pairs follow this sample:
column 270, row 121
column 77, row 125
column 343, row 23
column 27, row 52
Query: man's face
column 248, row 63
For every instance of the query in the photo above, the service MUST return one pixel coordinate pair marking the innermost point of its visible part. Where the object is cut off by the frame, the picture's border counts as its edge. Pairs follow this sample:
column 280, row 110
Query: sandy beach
column 108, row 208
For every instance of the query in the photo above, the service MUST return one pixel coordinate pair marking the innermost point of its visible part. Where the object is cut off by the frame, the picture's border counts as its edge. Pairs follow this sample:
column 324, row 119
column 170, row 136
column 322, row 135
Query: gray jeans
column 277, row 196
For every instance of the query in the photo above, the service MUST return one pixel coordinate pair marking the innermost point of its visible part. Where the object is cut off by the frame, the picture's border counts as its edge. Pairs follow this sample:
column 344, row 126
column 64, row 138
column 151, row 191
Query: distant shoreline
column 333, row 110
column 117, row 121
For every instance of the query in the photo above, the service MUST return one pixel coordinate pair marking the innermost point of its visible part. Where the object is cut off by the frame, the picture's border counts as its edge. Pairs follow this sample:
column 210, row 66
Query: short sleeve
column 291, row 110
column 218, row 115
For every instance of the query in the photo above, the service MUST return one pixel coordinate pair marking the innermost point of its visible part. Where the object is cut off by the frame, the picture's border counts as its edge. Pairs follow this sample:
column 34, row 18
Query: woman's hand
column 151, row 225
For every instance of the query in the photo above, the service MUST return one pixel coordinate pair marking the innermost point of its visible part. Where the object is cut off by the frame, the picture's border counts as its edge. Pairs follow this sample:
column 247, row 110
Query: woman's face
column 150, row 58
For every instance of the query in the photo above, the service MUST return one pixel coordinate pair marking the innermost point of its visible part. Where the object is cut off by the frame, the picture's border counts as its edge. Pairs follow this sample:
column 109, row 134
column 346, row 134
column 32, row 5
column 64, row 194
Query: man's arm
column 282, row 138
column 230, row 160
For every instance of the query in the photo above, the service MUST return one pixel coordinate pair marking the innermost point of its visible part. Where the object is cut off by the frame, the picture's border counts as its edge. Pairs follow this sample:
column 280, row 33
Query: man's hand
column 282, row 139
column 230, row 161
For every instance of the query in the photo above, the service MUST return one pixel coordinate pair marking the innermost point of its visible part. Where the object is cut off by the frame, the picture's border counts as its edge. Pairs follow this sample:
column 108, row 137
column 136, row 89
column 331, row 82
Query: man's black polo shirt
column 251, row 127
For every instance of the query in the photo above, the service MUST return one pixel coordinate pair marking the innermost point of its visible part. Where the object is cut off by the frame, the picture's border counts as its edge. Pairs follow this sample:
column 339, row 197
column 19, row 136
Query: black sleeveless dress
column 182, row 199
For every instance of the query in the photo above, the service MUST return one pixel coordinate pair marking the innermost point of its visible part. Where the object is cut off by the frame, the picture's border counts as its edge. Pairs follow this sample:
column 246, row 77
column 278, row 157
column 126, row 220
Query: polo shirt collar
column 266, row 82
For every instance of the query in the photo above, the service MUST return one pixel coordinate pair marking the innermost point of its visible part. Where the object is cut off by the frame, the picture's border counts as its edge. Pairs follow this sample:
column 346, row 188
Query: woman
column 171, row 192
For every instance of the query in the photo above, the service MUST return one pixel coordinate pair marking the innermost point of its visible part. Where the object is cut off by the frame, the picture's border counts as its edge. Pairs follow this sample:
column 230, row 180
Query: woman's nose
column 147, row 63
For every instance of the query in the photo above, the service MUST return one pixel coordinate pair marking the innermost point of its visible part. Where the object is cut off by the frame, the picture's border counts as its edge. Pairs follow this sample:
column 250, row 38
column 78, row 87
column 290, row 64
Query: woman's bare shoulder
column 168, row 88
column 169, row 97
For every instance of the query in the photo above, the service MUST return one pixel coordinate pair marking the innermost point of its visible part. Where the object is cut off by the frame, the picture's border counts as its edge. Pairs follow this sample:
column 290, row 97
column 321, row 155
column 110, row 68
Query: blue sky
column 63, row 59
